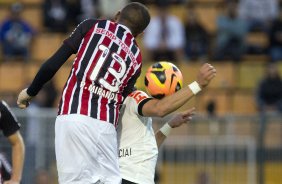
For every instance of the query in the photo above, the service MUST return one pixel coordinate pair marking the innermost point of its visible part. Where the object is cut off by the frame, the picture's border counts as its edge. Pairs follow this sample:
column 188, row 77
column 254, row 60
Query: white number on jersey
column 118, row 75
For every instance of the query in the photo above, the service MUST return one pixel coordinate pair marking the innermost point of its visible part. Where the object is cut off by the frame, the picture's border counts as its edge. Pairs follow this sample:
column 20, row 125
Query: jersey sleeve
column 8, row 121
column 137, row 100
column 130, row 85
column 74, row 40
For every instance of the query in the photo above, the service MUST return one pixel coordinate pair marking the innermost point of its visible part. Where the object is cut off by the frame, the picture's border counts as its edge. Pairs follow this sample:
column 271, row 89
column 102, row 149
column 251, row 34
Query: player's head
column 135, row 16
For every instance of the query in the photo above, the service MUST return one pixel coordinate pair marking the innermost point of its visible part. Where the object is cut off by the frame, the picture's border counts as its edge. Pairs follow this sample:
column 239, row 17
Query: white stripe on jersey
column 68, row 82
column 136, row 54
column 112, row 64
column 100, row 97
column 71, row 99
column 89, row 64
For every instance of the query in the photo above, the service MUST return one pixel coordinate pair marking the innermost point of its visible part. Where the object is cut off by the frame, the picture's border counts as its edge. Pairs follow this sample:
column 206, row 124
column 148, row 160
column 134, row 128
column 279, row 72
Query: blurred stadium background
column 236, row 144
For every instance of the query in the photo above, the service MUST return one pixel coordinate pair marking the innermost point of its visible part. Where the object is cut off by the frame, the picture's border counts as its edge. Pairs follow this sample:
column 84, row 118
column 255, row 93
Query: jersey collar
column 126, row 28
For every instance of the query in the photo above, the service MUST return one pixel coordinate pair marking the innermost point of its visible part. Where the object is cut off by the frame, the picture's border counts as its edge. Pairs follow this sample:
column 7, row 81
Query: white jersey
column 138, row 151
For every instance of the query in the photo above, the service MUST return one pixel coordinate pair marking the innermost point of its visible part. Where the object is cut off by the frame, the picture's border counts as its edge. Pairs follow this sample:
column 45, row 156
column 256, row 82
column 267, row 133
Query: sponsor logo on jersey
column 125, row 152
column 138, row 96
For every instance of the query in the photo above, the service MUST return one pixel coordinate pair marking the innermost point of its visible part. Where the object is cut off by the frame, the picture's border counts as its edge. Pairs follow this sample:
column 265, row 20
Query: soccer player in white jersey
column 138, row 147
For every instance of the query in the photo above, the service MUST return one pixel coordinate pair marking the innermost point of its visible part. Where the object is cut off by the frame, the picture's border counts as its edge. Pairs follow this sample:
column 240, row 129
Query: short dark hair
column 136, row 16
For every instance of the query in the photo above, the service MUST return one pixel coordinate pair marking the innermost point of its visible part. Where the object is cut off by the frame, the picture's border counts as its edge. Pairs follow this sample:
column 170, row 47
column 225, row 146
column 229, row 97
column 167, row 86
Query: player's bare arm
column 18, row 151
column 176, row 121
column 170, row 103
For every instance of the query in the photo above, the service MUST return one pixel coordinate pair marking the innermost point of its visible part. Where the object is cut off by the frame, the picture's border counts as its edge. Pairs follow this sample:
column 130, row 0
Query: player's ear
column 116, row 18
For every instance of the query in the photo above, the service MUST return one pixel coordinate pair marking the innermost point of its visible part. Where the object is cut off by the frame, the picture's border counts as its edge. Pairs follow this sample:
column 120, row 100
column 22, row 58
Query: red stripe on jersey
column 86, row 93
column 104, row 101
column 132, row 70
column 105, row 112
column 128, row 39
column 110, row 78
column 113, row 27
column 70, row 87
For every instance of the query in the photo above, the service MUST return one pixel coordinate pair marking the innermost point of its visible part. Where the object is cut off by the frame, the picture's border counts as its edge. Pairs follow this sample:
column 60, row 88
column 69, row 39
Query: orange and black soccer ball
column 163, row 78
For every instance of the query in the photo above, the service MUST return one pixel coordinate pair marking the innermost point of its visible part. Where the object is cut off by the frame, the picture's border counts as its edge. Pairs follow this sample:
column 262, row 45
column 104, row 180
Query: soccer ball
column 162, row 79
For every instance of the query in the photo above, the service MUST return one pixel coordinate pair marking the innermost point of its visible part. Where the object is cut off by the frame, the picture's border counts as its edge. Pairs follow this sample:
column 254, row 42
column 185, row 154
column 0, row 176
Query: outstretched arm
column 45, row 73
column 53, row 64
column 176, row 121
column 18, row 151
column 168, row 104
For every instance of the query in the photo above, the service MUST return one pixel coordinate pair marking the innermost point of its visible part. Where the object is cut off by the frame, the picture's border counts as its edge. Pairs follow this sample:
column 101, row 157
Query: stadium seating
column 243, row 102
column 30, row 71
column 249, row 74
column 226, row 75
column 273, row 135
column 258, row 38
column 61, row 76
column 3, row 13
column 11, row 77
column 34, row 2
column 221, row 99
column 34, row 17
column 45, row 44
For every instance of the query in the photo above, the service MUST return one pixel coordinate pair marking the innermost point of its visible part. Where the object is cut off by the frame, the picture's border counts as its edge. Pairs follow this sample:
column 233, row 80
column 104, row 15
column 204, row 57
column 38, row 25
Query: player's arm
column 176, row 121
column 54, row 63
column 45, row 73
column 168, row 104
column 18, row 152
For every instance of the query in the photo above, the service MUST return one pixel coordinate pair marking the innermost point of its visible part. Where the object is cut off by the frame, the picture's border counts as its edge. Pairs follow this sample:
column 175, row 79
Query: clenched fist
column 206, row 73
column 23, row 99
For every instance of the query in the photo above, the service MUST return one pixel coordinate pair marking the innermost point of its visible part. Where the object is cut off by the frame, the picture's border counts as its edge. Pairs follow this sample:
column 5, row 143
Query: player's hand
column 11, row 182
column 23, row 99
column 181, row 117
column 206, row 73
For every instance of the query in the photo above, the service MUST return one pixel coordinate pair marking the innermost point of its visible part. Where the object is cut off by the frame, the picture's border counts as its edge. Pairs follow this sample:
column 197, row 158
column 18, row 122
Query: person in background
column 16, row 35
column 55, row 14
column 275, row 38
column 231, row 34
column 269, row 91
column 81, row 10
column 164, row 38
column 107, row 12
column 258, row 13
column 10, row 127
column 196, row 36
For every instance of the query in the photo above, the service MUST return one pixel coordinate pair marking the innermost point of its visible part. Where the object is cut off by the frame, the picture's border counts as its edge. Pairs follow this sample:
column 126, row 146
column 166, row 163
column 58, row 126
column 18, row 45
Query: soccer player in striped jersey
column 107, row 64
column 10, row 127
column 138, row 144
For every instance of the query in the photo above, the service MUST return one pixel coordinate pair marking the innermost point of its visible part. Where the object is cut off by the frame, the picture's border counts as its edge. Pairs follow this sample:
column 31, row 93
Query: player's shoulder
column 3, row 104
column 89, row 22
column 138, row 96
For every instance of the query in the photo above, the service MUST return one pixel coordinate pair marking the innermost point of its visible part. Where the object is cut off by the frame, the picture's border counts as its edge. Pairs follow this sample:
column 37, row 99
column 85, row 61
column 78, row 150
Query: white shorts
column 86, row 150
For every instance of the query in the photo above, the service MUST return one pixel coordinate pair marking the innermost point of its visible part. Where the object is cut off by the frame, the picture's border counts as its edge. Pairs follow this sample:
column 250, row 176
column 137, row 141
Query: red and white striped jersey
column 106, row 67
